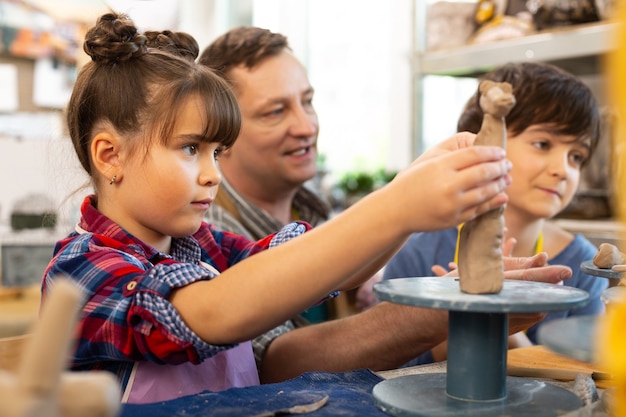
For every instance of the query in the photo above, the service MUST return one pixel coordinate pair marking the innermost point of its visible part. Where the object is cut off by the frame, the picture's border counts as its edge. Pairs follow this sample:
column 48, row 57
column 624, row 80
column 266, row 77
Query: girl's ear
column 106, row 156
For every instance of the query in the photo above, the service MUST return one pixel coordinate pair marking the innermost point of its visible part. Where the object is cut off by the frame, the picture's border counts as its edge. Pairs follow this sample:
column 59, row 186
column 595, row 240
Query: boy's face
column 277, row 147
column 546, row 171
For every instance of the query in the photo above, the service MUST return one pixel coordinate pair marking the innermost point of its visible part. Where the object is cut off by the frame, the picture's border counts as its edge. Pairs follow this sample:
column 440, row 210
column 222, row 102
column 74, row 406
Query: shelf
column 577, row 49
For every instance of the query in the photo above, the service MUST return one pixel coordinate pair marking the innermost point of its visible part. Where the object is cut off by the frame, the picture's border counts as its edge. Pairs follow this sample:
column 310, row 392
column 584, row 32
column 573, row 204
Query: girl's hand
column 461, row 140
column 446, row 187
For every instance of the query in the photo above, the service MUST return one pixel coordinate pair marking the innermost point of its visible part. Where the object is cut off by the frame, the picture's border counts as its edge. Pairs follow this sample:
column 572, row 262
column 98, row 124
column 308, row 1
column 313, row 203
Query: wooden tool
column 39, row 386
column 540, row 362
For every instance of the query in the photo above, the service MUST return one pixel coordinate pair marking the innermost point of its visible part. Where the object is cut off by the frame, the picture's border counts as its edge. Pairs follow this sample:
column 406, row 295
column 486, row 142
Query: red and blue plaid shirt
column 126, row 316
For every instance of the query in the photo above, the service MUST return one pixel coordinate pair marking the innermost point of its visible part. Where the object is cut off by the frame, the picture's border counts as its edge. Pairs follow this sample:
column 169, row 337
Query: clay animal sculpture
column 41, row 387
column 481, row 268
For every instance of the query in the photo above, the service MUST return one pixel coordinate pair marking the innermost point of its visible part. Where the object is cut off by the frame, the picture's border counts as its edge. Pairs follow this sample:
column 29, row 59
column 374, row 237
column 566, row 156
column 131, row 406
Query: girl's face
column 167, row 192
column 546, row 171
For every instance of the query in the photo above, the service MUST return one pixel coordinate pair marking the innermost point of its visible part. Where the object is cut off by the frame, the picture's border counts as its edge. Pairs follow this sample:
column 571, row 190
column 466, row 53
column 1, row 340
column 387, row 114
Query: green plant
column 360, row 183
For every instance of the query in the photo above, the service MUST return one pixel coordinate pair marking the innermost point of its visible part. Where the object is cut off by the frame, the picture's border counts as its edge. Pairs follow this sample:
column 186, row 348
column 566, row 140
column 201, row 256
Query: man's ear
column 105, row 155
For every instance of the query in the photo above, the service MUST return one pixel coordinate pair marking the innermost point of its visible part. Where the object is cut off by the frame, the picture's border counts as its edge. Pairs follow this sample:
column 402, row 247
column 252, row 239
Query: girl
column 171, row 303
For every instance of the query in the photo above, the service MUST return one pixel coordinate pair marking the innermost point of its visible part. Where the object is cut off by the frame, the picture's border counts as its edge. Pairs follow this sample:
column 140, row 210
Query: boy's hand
column 534, row 268
column 507, row 250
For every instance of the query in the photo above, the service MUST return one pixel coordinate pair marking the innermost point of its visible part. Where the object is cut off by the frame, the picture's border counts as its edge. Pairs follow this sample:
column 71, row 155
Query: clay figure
column 481, row 268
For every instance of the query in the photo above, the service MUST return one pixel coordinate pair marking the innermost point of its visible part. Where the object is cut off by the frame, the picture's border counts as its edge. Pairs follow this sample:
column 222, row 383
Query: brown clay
column 481, row 267
column 608, row 256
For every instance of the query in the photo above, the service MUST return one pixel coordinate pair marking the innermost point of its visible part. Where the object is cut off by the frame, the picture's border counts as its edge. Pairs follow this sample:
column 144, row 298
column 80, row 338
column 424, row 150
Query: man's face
column 277, row 147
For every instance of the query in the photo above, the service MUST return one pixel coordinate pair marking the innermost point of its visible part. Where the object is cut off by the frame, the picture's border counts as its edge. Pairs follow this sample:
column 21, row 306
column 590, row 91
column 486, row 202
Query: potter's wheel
column 475, row 382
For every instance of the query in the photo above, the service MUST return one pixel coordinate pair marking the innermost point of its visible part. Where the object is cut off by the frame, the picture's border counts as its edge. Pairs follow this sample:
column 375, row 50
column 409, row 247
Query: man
column 276, row 152
column 263, row 189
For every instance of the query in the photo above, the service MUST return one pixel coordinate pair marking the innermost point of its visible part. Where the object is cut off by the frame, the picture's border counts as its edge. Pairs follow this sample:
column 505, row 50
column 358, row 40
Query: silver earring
column 113, row 180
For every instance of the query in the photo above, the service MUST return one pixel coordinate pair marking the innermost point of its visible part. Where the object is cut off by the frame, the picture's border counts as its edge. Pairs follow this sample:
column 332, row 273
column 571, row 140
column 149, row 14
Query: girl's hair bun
column 114, row 38
column 180, row 44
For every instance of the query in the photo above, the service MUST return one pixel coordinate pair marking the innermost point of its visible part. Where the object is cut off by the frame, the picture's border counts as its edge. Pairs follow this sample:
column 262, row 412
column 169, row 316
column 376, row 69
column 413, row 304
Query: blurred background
column 390, row 77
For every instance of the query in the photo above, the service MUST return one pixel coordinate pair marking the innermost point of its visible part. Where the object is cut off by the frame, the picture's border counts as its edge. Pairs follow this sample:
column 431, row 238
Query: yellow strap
column 539, row 244
column 458, row 243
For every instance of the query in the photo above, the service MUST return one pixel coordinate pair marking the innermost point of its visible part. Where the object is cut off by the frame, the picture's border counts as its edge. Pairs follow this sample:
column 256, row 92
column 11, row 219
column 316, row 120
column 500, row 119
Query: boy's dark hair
column 545, row 94
column 244, row 45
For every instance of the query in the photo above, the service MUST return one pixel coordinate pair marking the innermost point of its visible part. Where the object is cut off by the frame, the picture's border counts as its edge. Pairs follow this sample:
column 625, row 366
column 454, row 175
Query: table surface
column 18, row 313
column 18, row 310
column 349, row 395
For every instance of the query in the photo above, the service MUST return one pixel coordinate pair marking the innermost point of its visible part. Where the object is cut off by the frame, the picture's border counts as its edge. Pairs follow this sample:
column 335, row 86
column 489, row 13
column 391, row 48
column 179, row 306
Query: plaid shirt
column 234, row 213
column 126, row 315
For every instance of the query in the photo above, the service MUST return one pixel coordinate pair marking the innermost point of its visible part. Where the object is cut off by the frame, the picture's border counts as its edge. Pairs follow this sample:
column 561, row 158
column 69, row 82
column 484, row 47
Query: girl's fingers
column 467, row 182
column 479, row 176
column 483, row 199
column 465, row 158
column 486, row 173
column 458, row 141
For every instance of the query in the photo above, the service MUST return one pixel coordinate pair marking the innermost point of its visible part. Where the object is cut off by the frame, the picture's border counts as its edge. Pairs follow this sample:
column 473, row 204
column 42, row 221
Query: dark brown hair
column 138, row 88
column 180, row 44
column 544, row 94
column 244, row 45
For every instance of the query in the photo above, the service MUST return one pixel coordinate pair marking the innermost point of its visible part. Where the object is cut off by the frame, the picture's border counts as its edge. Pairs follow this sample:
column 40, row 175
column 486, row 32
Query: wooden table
column 532, row 362
column 18, row 310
